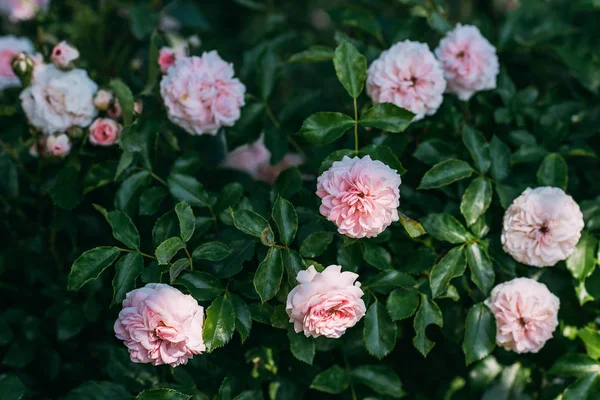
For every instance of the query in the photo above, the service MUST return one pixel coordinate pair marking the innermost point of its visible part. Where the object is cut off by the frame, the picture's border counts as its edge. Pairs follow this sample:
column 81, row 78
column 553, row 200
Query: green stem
column 281, row 247
column 348, row 369
column 189, row 258
column 153, row 175
column 271, row 115
column 355, row 127
column 137, row 251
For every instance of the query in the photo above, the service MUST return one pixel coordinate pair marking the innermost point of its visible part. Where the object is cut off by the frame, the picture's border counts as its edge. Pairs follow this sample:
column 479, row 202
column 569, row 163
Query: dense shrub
column 121, row 173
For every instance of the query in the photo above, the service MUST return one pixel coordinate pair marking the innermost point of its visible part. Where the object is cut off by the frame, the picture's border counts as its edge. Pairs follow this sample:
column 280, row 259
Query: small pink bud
column 58, row 146
column 103, row 99
column 166, row 59
column 63, row 55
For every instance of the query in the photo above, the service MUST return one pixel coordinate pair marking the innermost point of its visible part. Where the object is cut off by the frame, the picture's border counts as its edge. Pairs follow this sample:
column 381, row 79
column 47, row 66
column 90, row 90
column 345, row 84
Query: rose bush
column 289, row 200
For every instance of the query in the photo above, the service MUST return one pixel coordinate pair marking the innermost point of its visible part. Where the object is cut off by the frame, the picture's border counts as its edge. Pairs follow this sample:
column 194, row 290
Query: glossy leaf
column 402, row 303
column 243, row 320
column 476, row 200
column 250, row 222
column 482, row 270
column 212, row 251
column 478, row 148
column 452, row 265
column 553, row 171
column 201, row 285
column 302, row 347
column 388, row 117
column 446, row 228
column 127, row 269
column 480, row 333
column 90, row 265
column 187, row 221
column 285, row 217
column 325, row 127
column 582, row 261
column 188, row 189
column 125, row 97
column 123, row 229
column 376, row 256
column 333, row 380
column 380, row 331
column 501, row 159
column 445, row 173
column 381, row 378
column 428, row 314
column 269, row 274
column 167, row 249
column 350, row 68
column 219, row 324
column 315, row 244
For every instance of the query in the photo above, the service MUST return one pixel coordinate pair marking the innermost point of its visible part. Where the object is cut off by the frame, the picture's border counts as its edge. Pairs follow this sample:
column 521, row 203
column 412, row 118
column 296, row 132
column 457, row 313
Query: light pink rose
column 63, row 55
column 161, row 325
column 326, row 303
column 201, row 94
column 22, row 10
column 526, row 314
column 105, row 132
column 469, row 61
column 115, row 111
column 409, row 76
column 166, row 59
column 10, row 46
column 58, row 145
column 542, row 226
column 360, row 196
column 103, row 99
column 254, row 159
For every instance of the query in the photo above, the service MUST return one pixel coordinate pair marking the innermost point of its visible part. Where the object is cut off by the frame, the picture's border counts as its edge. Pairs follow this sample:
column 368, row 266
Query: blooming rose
column 469, row 61
column 58, row 100
column 408, row 75
column 325, row 303
column 22, row 10
column 105, row 132
column 59, row 145
column 160, row 325
column 103, row 99
column 360, row 196
column 10, row 46
column 254, row 159
column 201, row 94
column 166, row 59
column 526, row 314
column 542, row 226
column 63, row 55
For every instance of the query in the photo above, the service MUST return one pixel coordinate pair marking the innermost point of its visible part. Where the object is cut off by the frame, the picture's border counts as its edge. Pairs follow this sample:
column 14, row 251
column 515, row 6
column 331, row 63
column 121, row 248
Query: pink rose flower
column 160, row 325
column 103, row 99
column 201, row 94
column 360, row 196
column 409, row 76
column 105, row 132
column 326, row 303
column 22, row 10
column 542, row 226
column 63, row 55
column 58, row 146
column 254, row 159
column 115, row 111
column 166, row 59
column 10, row 46
column 526, row 314
column 469, row 61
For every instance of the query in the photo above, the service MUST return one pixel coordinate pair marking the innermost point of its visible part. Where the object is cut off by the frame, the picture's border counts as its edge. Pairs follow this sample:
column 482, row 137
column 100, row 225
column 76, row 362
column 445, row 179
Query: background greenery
column 539, row 127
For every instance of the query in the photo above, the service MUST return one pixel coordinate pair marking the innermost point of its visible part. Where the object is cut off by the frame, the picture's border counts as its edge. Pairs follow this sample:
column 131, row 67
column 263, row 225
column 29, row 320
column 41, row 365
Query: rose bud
column 166, row 59
column 105, row 132
column 103, row 99
column 63, row 55
column 138, row 107
column 22, row 66
column 115, row 111
column 59, row 145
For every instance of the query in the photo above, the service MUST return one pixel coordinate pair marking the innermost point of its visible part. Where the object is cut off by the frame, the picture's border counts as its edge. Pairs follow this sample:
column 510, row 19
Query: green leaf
column 452, row 265
column 243, row 320
column 289, row 182
column 333, row 380
column 302, row 347
column 350, row 68
column 230, row 195
column 151, row 199
column 482, row 270
column 123, row 229
column 177, row 268
column 93, row 390
column 219, row 324
column 128, row 194
column 187, row 188
column 11, row 388
column 124, row 162
column 162, row 394
column 553, row 171
column 241, row 251
column 574, row 365
column 312, row 54
column 128, row 268
column 429, row 313
column 249, row 222
column 125, row 97
column 478, row 148
column 90, row 265
column 376, row 255
column 285, row 217
column 381, row 378
column 380, row 331
column 445, row 227
column 293, row 263
column 501, row 159
column 66, row 190
column 388, row 117
column 584, row 388
column 591, row 338
column 402, row 303
column 385, row 155
column 269, row 274
column 337, row 155
column 268, row 64
column 582, row 261
column 167, row 249
column 201, row 285
column 476, row 199
column 433, row 151
column 480, row 333
column 388, row 280
column 315, row 244
column 325, row 127
column 445, row 173
column 187, row 221
column 211, row 251
column 412, row 227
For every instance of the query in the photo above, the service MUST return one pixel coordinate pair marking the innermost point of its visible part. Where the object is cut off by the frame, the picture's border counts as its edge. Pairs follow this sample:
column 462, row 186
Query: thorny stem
column 355, row 127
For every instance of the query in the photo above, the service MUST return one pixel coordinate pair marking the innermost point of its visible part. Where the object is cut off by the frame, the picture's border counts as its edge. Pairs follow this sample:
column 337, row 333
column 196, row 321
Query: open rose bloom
column 254, row 159
column 409, row 76
column 360, row 196
column 161, row 325
column 542, row 226
column 105, row 132
column 201, row 93
column 325, row 303
column 469, row 61
column 526, row 314
column 22, row 10
column 10, row 46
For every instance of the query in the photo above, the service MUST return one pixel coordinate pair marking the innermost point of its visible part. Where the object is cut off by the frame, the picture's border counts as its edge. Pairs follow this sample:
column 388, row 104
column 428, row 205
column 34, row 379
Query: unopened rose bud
column 59, row 145
column 138, row 107
column 103, row 99
column 22, row 66
column 166, row 59
column 75, row 132
column 115, row 111
column 63, row 55
column 194, row 41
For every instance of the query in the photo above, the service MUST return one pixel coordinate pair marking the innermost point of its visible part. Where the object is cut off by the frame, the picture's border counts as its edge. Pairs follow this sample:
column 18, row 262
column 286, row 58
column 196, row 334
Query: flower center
column 461, row 54
column 414, row 80
column 544, row 229
column 522, row 322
